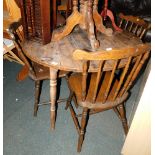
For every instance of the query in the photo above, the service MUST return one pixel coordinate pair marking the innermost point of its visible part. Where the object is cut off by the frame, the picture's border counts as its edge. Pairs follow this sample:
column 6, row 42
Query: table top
column 59, row 54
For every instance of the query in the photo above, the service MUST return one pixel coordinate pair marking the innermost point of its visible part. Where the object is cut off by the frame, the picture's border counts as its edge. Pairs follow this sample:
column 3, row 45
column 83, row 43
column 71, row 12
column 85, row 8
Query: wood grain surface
column 59, row 54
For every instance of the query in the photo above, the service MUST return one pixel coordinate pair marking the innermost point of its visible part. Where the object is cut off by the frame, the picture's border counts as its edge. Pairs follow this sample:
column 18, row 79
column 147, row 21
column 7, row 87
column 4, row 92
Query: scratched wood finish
column 59, row 54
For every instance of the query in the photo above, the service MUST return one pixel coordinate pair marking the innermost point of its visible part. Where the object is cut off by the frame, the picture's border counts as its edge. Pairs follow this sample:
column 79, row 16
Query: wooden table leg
column 86, row 18
column 111, row 16
column 99, row 22
column 91, row 34
column 53, row 91
column 74, row 19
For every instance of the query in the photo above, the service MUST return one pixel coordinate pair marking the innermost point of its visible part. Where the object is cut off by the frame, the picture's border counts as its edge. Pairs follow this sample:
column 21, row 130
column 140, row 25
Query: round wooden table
column 58, row 55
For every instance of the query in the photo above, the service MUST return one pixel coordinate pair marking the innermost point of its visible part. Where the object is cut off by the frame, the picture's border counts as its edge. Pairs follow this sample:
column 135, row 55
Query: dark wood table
column 58, row 55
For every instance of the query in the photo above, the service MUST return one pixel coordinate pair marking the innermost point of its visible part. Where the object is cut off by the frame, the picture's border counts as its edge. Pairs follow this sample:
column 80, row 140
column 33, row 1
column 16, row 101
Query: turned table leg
column 90, row 22
column 53, row 90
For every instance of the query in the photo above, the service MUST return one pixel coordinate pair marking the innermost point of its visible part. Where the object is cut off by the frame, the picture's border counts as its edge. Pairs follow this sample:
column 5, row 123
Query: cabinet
column 36, row 18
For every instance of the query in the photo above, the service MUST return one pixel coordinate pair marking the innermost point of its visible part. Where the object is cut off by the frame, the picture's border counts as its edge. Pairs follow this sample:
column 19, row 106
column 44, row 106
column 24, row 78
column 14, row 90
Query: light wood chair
column 8, row 53
column 101, row 90
column 9, row 49
column 134, row 25
column 36, row 72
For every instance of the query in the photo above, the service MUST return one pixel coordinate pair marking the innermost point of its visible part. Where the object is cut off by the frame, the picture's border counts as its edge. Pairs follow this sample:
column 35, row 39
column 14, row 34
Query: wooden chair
column 100, row 89
column 134, row 25
column 36, row 72
column 65, row 6
column 8, row 52
column 59, row 6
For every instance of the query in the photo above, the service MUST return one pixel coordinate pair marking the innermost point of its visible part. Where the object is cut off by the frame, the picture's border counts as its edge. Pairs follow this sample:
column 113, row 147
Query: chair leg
column 75, row 101
column 123, row 118
column 74, row 117
column 37, row 95
column 69, row 100
column 72, row 95
column 83, row 126
column 117, row 112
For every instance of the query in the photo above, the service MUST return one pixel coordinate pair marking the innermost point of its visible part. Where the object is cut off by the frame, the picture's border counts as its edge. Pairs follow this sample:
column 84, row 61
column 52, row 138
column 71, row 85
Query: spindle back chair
column 9, row 51
column 36, row 72
column 134, row 25
column 102, row 90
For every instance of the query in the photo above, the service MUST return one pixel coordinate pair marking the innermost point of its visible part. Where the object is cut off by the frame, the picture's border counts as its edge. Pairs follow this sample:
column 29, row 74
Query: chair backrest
column 133, row 59
column 8, row 51
column 16, row 34
column 134, row 24
column 66, row 5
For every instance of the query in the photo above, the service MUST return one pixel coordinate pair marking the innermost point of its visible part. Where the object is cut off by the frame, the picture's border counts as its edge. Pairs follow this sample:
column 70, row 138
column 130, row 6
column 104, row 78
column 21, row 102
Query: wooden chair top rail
column 135, row 19
column 134, row 24
column 140, row 53
column 111, row 54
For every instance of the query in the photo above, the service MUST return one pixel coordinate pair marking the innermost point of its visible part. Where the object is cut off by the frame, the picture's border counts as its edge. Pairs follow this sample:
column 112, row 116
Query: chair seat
column 42, row 72
column 76, row 87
